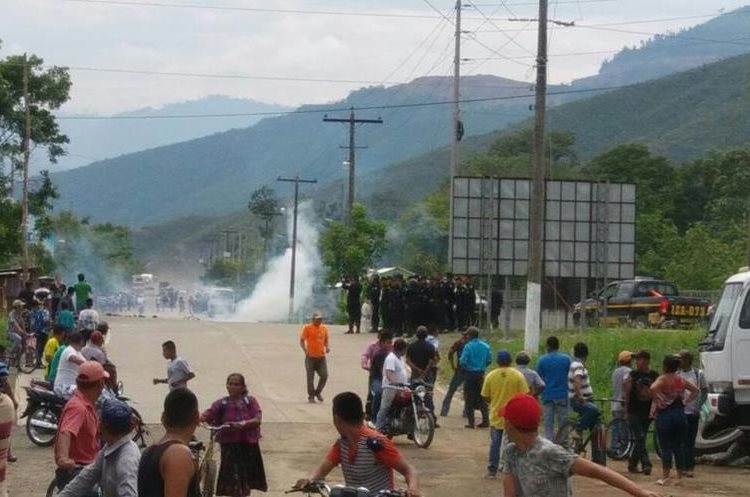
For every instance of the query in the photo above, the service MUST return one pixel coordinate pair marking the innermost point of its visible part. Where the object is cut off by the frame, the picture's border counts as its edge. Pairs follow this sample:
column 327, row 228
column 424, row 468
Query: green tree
column 349, row 249
column 701, row 261
column 656, row 240
column 265, row 206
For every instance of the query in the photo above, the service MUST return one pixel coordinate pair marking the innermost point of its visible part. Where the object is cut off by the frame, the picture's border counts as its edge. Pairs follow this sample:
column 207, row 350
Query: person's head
column 89, row 303
column 180, row 411
column 236, row 386
column 64, row 306
column 553, row 344
column 504, row 359
column 103, row 328
column 90, row 379
column 18, row 305
column 643, row 360
column 399, row 346
column 581, row 351
column 686, row 359
column 57, row 331
column 671, row 363
column 81, row 277
column 385, row 339
column 169, row 350
column 116, row 420
column 472, row 332
column 624, row 358
column 421, row 332
column 523, row 358
column 317, row 318
column 75, row 340
column 522, row 414
column 348, row 412
column 97, row 338
column 38, row 303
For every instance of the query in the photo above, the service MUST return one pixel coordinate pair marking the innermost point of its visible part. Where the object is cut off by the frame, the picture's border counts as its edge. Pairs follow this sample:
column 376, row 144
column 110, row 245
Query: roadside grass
column 604, row 345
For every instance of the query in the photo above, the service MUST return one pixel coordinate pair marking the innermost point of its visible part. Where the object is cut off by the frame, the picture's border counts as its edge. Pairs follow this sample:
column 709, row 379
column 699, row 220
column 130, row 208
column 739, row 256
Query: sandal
column 664, row 482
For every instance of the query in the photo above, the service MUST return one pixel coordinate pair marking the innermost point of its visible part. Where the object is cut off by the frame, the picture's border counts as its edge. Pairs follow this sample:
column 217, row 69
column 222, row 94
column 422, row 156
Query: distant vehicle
column 642, row 303
column 221, row 302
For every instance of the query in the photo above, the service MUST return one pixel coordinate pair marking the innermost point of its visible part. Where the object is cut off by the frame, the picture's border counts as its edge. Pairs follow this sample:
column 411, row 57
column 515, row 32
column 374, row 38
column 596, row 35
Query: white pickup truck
column 725, row 357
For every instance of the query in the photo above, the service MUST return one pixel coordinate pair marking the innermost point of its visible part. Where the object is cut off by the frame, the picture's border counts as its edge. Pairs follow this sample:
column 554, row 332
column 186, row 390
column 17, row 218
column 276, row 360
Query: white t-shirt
column 88, row 319
column 395, row 364
column 67, row 371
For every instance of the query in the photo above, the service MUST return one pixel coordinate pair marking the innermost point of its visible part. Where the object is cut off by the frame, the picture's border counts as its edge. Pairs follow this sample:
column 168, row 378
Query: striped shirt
column 578, row 370
column 369, row 464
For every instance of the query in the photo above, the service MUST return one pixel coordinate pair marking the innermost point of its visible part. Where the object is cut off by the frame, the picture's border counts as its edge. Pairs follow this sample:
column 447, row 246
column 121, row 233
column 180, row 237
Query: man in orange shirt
column 314, row 343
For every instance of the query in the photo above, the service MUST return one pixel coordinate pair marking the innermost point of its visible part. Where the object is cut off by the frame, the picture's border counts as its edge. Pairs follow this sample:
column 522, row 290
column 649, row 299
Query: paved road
column 267, row 354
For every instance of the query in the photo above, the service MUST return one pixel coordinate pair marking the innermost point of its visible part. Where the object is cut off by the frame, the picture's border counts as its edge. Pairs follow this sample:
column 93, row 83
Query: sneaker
column 634, row 470
column 483, row 424
column 319, row 397
column 311, row 400
column 471, row 427
column 490, row 476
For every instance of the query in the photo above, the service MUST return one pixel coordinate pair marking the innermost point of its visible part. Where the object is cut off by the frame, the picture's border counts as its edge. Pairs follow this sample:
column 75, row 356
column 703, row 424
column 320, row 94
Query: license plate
column 692, row 311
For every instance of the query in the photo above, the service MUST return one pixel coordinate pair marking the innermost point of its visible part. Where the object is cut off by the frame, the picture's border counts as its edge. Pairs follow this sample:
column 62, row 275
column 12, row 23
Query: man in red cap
column 77, row 442
column 536, row 466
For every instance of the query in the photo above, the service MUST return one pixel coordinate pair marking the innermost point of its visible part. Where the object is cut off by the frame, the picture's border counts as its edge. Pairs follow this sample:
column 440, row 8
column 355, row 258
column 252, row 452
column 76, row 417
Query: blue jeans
column 496, row 442
column 588, row 413
column 376, row 389
column 554, row 409
column 672, row 430
column 16, row 340
column 456, row 381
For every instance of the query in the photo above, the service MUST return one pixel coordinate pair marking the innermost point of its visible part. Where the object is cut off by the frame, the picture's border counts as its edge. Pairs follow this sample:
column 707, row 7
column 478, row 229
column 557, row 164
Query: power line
column 509, row 38
column 338, row 109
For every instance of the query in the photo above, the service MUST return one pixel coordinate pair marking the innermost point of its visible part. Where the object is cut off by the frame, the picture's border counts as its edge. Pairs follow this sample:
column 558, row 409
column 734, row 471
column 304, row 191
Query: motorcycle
column 409, row 416
column 323, row 490
column 44, row 407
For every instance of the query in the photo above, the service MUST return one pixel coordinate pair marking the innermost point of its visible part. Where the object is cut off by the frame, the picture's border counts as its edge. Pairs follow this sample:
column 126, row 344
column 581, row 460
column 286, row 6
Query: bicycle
column 204, row 460
column 618, row 447
column 25, row 359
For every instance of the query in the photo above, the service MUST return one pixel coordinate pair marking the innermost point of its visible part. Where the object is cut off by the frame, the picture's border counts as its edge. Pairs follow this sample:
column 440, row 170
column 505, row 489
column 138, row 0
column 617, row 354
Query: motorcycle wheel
column 41, row 436
column 424, row 429
column 27, row 360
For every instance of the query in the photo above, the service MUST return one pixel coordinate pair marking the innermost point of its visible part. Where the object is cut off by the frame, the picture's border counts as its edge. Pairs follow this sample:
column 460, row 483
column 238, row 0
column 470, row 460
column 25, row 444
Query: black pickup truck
column 642, row 303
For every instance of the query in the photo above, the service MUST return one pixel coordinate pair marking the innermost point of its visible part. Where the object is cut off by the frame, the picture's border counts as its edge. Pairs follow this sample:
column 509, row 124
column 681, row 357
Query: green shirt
column 66, row 318
column 83, row 291
column 55, row 362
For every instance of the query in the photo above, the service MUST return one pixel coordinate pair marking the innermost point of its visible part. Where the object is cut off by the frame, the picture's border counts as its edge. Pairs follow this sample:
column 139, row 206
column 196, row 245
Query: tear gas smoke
column 269, row 301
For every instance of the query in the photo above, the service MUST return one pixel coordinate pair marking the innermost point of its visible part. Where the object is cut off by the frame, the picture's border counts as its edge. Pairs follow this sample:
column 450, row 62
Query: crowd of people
column 522, row 409
column 400, row 305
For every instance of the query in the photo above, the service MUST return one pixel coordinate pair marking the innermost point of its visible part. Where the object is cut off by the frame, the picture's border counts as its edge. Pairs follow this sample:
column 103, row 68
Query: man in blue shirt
column 475, row 357
column 553, row 367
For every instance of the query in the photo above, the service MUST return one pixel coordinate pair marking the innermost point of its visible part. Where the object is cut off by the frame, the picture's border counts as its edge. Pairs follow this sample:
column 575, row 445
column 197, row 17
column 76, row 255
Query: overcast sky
column 363, row 48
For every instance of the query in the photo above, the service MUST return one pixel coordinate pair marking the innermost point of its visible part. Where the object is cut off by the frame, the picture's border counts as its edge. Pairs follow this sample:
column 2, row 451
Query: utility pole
column 456, row 126
column 26, row 157
column 296, row 180
column 536, row 218
column 352, row 121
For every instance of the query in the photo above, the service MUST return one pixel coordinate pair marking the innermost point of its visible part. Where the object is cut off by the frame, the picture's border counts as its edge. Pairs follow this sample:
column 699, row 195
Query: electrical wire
column 507, row 36
column 301, row 111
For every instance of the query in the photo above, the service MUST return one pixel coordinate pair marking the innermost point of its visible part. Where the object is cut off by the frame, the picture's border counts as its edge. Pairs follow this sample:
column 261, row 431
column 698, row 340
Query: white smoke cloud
column 269, row 302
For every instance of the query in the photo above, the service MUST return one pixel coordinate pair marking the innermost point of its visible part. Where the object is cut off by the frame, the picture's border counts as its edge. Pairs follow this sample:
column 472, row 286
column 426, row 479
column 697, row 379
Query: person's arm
column 627, row 385
column 452, row 358
column 693, row 392
column 410, row 475
column 302, row 345
column 583, row 467
column 509, row 485
column 328, row 348
column 160, row 380
column 127, row 474
column 62, row 451
column 177, row 469
column 76, row 359
column 318, row 474
column 8, row 390
column 84, row 481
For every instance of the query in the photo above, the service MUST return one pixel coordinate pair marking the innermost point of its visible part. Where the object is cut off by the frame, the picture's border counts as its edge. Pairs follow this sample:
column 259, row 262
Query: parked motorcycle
column 43, row 410
column 409, row 416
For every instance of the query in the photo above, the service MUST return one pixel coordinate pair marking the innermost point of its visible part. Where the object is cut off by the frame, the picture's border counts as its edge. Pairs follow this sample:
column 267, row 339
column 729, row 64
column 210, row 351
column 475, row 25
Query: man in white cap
column 314, row 343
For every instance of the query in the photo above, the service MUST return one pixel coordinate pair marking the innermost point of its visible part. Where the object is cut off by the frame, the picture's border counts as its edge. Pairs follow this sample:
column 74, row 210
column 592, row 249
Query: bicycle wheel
column 568, row 438
column 619, row 440
column 27, row 360
column 52, row 488
column 209, row 478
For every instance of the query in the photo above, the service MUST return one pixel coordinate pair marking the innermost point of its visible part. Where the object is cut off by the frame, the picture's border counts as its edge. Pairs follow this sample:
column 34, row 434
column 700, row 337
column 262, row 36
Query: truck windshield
column 717, row 331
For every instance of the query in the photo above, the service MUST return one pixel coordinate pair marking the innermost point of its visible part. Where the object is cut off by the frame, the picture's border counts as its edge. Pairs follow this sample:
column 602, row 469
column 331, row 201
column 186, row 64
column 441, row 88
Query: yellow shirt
column 499, row 386
column 49, row 351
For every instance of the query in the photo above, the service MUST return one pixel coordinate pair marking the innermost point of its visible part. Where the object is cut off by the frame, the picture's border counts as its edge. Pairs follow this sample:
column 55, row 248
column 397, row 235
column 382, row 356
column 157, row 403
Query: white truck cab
column 725, row 352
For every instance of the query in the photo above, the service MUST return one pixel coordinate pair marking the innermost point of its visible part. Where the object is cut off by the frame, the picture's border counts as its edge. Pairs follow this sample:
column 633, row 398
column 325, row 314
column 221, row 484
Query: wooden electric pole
column 536, row 218
column 296, row 180
column 25, row 172
column 352, row 121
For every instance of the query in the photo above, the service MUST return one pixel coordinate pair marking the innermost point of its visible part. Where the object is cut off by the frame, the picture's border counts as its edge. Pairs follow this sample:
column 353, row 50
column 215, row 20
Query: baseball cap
column 625, row 356
column 18, row 303
column 317, row 315
column 522, row 411
column 503, row 356
column 97, row 337
column 91, row 371
column 116, row 415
